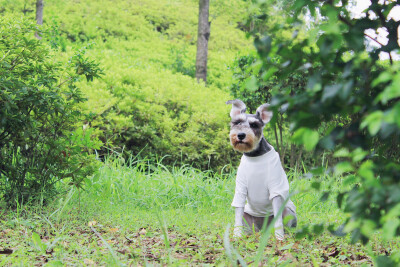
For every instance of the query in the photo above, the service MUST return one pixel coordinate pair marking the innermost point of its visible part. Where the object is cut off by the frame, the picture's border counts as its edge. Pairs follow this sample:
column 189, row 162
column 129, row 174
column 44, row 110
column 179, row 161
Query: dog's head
column 247, row 129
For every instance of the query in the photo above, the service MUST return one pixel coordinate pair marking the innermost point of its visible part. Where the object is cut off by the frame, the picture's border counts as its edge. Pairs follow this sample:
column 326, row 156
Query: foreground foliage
column 348, row 83
column 147, row 214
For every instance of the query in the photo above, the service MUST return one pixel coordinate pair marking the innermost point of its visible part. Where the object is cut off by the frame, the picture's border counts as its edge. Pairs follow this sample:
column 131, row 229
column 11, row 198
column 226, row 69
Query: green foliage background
column 148, row 100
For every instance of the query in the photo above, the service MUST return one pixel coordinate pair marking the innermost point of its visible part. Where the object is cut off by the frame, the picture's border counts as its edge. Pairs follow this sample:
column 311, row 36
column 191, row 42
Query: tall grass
column 141, row 186
column 146, row 186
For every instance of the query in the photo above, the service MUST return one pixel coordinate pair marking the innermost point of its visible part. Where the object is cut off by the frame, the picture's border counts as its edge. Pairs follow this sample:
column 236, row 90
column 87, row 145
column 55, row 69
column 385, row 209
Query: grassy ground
column 143, row 214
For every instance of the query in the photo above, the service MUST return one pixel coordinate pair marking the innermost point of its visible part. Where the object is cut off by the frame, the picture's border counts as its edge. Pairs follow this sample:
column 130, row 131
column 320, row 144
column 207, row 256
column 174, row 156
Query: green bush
column 41, row 136
column 157, row 112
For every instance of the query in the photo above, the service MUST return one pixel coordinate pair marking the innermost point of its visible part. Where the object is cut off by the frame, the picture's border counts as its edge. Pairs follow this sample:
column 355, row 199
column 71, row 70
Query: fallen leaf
column 288, row 257
column 334, row 252
column 88, row 262
column 180, row 256
column 122, row 251
column 6, row 251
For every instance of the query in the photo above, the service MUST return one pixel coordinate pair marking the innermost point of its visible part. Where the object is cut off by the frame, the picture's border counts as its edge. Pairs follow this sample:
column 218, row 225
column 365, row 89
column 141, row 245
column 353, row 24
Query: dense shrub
column 156, row 112
column 41, row 136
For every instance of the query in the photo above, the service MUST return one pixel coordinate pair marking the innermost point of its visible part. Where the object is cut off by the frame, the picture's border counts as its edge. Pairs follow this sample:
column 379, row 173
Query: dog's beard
column 244, row 146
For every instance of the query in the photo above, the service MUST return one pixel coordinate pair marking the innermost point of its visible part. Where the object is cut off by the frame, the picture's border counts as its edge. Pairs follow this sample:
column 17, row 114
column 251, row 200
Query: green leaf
column 341, row 153
column 339, row 199
column 373, row 121
column 37, row 242
column 382, row 78
column 392, row 91
column 359, row 154
column 269, row 73
column 366, row 170
column 316, row 185
column 389, row 229
column 368, row 227
column 349, row 180
column 302, row 232
column 309, row 138
column 325, row 196
column 263, row 45
column 318, row 228
column 330, row 91
column 384, row 261
column 351, row 226
column 396, row 113
column 343, row 167
column 251, row 83
column 337, row 232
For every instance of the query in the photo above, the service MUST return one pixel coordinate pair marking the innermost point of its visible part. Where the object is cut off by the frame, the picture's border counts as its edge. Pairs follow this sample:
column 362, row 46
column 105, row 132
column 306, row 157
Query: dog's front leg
column 238, row 230
column 277, row 203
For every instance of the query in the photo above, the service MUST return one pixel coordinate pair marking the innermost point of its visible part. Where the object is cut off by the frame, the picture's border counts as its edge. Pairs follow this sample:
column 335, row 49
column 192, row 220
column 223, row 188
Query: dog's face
column 247, row 129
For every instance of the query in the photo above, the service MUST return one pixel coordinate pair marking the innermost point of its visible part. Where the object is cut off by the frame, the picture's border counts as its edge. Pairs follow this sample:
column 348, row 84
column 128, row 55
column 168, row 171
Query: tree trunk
column 203, row 35
column 39, row 15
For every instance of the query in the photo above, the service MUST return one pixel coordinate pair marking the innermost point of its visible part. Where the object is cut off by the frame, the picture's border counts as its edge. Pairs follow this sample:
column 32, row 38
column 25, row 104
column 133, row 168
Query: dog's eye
column 235, row 122
column 253, row 125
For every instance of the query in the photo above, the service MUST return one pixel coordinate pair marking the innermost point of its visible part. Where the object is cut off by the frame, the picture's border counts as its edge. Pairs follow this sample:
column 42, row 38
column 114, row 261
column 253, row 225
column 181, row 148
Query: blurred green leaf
column 384, row 261
column 325, row 196
column 251, row 83
column 373, row 121
column 316, row 185
column 38, row 244
column 343, row 167
column 382, row 78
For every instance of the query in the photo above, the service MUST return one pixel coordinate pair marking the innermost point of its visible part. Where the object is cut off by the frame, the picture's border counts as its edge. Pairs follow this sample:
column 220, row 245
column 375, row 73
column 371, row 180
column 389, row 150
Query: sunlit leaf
column 373, row 121
column 343, row 167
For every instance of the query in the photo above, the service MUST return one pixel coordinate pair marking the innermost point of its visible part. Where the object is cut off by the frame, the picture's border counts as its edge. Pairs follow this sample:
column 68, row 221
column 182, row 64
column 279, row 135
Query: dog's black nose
column 241, row 136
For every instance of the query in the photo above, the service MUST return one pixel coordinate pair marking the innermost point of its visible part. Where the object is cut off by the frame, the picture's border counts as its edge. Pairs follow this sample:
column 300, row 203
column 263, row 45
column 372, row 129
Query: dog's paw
column 238, row 231
column 279, row 234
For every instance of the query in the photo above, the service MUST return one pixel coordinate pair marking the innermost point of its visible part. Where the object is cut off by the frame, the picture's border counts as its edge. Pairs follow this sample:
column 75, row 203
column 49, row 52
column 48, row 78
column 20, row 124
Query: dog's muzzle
column 241, row 136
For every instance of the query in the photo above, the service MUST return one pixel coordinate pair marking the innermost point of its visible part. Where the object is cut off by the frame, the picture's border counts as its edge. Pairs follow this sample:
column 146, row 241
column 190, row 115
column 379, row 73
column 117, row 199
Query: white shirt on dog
column 259, row 180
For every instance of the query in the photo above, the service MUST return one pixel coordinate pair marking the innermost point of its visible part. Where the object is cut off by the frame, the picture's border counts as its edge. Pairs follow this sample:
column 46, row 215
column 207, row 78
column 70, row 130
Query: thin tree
column 203, row 35
column 39, row 16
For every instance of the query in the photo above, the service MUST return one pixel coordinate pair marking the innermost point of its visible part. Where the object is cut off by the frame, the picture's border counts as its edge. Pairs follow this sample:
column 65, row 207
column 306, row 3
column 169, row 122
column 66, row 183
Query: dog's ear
column 263, row 113
column 238, row 107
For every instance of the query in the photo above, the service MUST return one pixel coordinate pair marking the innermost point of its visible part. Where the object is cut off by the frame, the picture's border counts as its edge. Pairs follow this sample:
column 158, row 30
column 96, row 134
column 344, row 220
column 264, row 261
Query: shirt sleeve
column 239, row 200
column 278, row 184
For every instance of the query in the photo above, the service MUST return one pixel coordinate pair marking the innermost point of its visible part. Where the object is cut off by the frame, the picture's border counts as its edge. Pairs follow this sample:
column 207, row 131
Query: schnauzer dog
column 261, row 183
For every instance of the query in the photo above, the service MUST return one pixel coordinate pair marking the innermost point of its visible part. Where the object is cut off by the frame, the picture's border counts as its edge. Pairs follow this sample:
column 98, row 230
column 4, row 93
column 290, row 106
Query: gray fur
column 238, row 107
